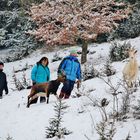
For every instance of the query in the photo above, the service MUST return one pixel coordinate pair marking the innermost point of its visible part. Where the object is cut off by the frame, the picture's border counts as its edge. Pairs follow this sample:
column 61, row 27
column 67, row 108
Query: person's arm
column 79, row 76
column 33, row 74
column 62, row 65
column 5, row 85
column 48, row 77
column 78, row 73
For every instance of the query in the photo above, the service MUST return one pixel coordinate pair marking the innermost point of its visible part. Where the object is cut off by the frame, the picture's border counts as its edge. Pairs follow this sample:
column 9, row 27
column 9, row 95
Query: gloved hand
column 78, row 84
column 33, row 82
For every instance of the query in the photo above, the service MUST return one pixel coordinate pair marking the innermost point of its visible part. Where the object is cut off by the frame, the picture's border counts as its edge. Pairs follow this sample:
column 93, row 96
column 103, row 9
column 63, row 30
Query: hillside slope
column 23, row 123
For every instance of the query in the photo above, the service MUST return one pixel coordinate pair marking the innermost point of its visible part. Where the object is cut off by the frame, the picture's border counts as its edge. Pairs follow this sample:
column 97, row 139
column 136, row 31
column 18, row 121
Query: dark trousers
column 1, row 92
column 67, row 88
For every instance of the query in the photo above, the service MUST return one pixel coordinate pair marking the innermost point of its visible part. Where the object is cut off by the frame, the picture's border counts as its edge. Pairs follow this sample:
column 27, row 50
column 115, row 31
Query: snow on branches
column 62, row 22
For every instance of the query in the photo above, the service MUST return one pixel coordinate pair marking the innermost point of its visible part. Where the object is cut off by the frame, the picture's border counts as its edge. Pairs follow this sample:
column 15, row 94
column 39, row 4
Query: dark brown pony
column 45, row 89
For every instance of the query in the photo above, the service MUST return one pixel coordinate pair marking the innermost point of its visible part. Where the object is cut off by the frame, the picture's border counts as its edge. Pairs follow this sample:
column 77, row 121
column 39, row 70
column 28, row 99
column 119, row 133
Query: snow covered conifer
column 118, row 52
column 55, row 129
column 108, row 69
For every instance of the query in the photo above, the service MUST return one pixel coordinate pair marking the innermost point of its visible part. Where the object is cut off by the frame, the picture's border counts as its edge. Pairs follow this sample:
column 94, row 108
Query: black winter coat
column 3, row 82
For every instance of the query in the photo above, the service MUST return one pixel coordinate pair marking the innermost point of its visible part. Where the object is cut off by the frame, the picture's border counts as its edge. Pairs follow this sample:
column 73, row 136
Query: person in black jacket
column 3, row 81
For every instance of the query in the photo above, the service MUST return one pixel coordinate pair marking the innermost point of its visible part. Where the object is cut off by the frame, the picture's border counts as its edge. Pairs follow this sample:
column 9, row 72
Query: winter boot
column 66, row 96
column 28, row 105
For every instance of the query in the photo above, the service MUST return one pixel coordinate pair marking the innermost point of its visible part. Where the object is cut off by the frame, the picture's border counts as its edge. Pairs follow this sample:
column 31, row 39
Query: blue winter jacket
column 40, row 74
column 71, row 66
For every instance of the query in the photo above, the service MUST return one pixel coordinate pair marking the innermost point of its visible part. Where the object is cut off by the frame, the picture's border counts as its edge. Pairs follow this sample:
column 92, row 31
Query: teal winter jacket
column 40, row 74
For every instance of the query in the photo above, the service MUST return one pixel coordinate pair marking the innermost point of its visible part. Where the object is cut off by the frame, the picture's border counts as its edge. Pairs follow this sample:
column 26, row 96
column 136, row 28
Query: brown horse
column 44, row 89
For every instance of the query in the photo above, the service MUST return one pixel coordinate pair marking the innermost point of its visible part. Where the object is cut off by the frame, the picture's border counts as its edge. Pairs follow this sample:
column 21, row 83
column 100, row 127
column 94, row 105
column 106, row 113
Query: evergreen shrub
column 129, row 28
column 118, row 52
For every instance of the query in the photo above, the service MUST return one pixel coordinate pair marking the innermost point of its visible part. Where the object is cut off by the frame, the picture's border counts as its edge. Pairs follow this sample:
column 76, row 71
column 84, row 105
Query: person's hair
column 1, row 63
column 43, row 59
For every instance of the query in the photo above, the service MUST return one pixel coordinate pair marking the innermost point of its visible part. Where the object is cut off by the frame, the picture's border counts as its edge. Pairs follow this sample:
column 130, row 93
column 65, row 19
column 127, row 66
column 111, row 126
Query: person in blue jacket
column 72, row 69
column 40, row 72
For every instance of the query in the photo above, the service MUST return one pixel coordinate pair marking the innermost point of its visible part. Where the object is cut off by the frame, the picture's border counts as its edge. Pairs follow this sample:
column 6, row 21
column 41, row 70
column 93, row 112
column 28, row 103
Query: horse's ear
column 135, row 51
column 128, row 49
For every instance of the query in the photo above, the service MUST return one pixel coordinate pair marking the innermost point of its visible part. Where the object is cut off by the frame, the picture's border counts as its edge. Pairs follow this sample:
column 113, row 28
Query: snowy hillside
column 82, row 116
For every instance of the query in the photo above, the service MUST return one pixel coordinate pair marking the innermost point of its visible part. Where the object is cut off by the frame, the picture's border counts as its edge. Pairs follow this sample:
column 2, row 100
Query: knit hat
column 73, row 53
column 1, row 63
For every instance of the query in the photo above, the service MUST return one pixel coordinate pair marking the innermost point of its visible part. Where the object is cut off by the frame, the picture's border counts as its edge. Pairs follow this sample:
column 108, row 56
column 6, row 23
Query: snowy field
column 82, row 117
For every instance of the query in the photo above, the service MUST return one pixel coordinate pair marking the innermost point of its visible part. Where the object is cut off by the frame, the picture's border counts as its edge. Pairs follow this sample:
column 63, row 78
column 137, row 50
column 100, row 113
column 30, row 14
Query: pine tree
column 108, row 69
column 14, row 23
column 118, row 52
column 55, row 128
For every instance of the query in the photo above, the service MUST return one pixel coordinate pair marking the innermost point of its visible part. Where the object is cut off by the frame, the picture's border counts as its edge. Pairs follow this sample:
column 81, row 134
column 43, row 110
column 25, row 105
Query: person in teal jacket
column 40, row 72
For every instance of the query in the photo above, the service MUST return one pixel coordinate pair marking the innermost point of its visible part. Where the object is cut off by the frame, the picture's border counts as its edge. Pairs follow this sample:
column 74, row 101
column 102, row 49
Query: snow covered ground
column 23, row 123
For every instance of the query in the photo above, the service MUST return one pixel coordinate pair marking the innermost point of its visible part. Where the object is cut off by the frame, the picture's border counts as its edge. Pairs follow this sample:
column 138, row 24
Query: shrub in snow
column 89, row 72
column 17, row 83
column 9, row 138
column 105, row 130
column 82, row 91
column 128, row 137
column 125, row 104
column 108, row 69
column 20, row 84
column 118, row 52
column 25, row 82
column 125, row 107
column 55, row 129
column 136, row 112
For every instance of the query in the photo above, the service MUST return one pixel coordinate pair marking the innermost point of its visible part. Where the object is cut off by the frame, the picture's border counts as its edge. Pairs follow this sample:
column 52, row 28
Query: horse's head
column 132, row 53
column 61, row 76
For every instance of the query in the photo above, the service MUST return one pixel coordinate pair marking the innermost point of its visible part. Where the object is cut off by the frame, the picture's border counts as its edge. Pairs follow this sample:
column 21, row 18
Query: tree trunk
column 84, row 51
